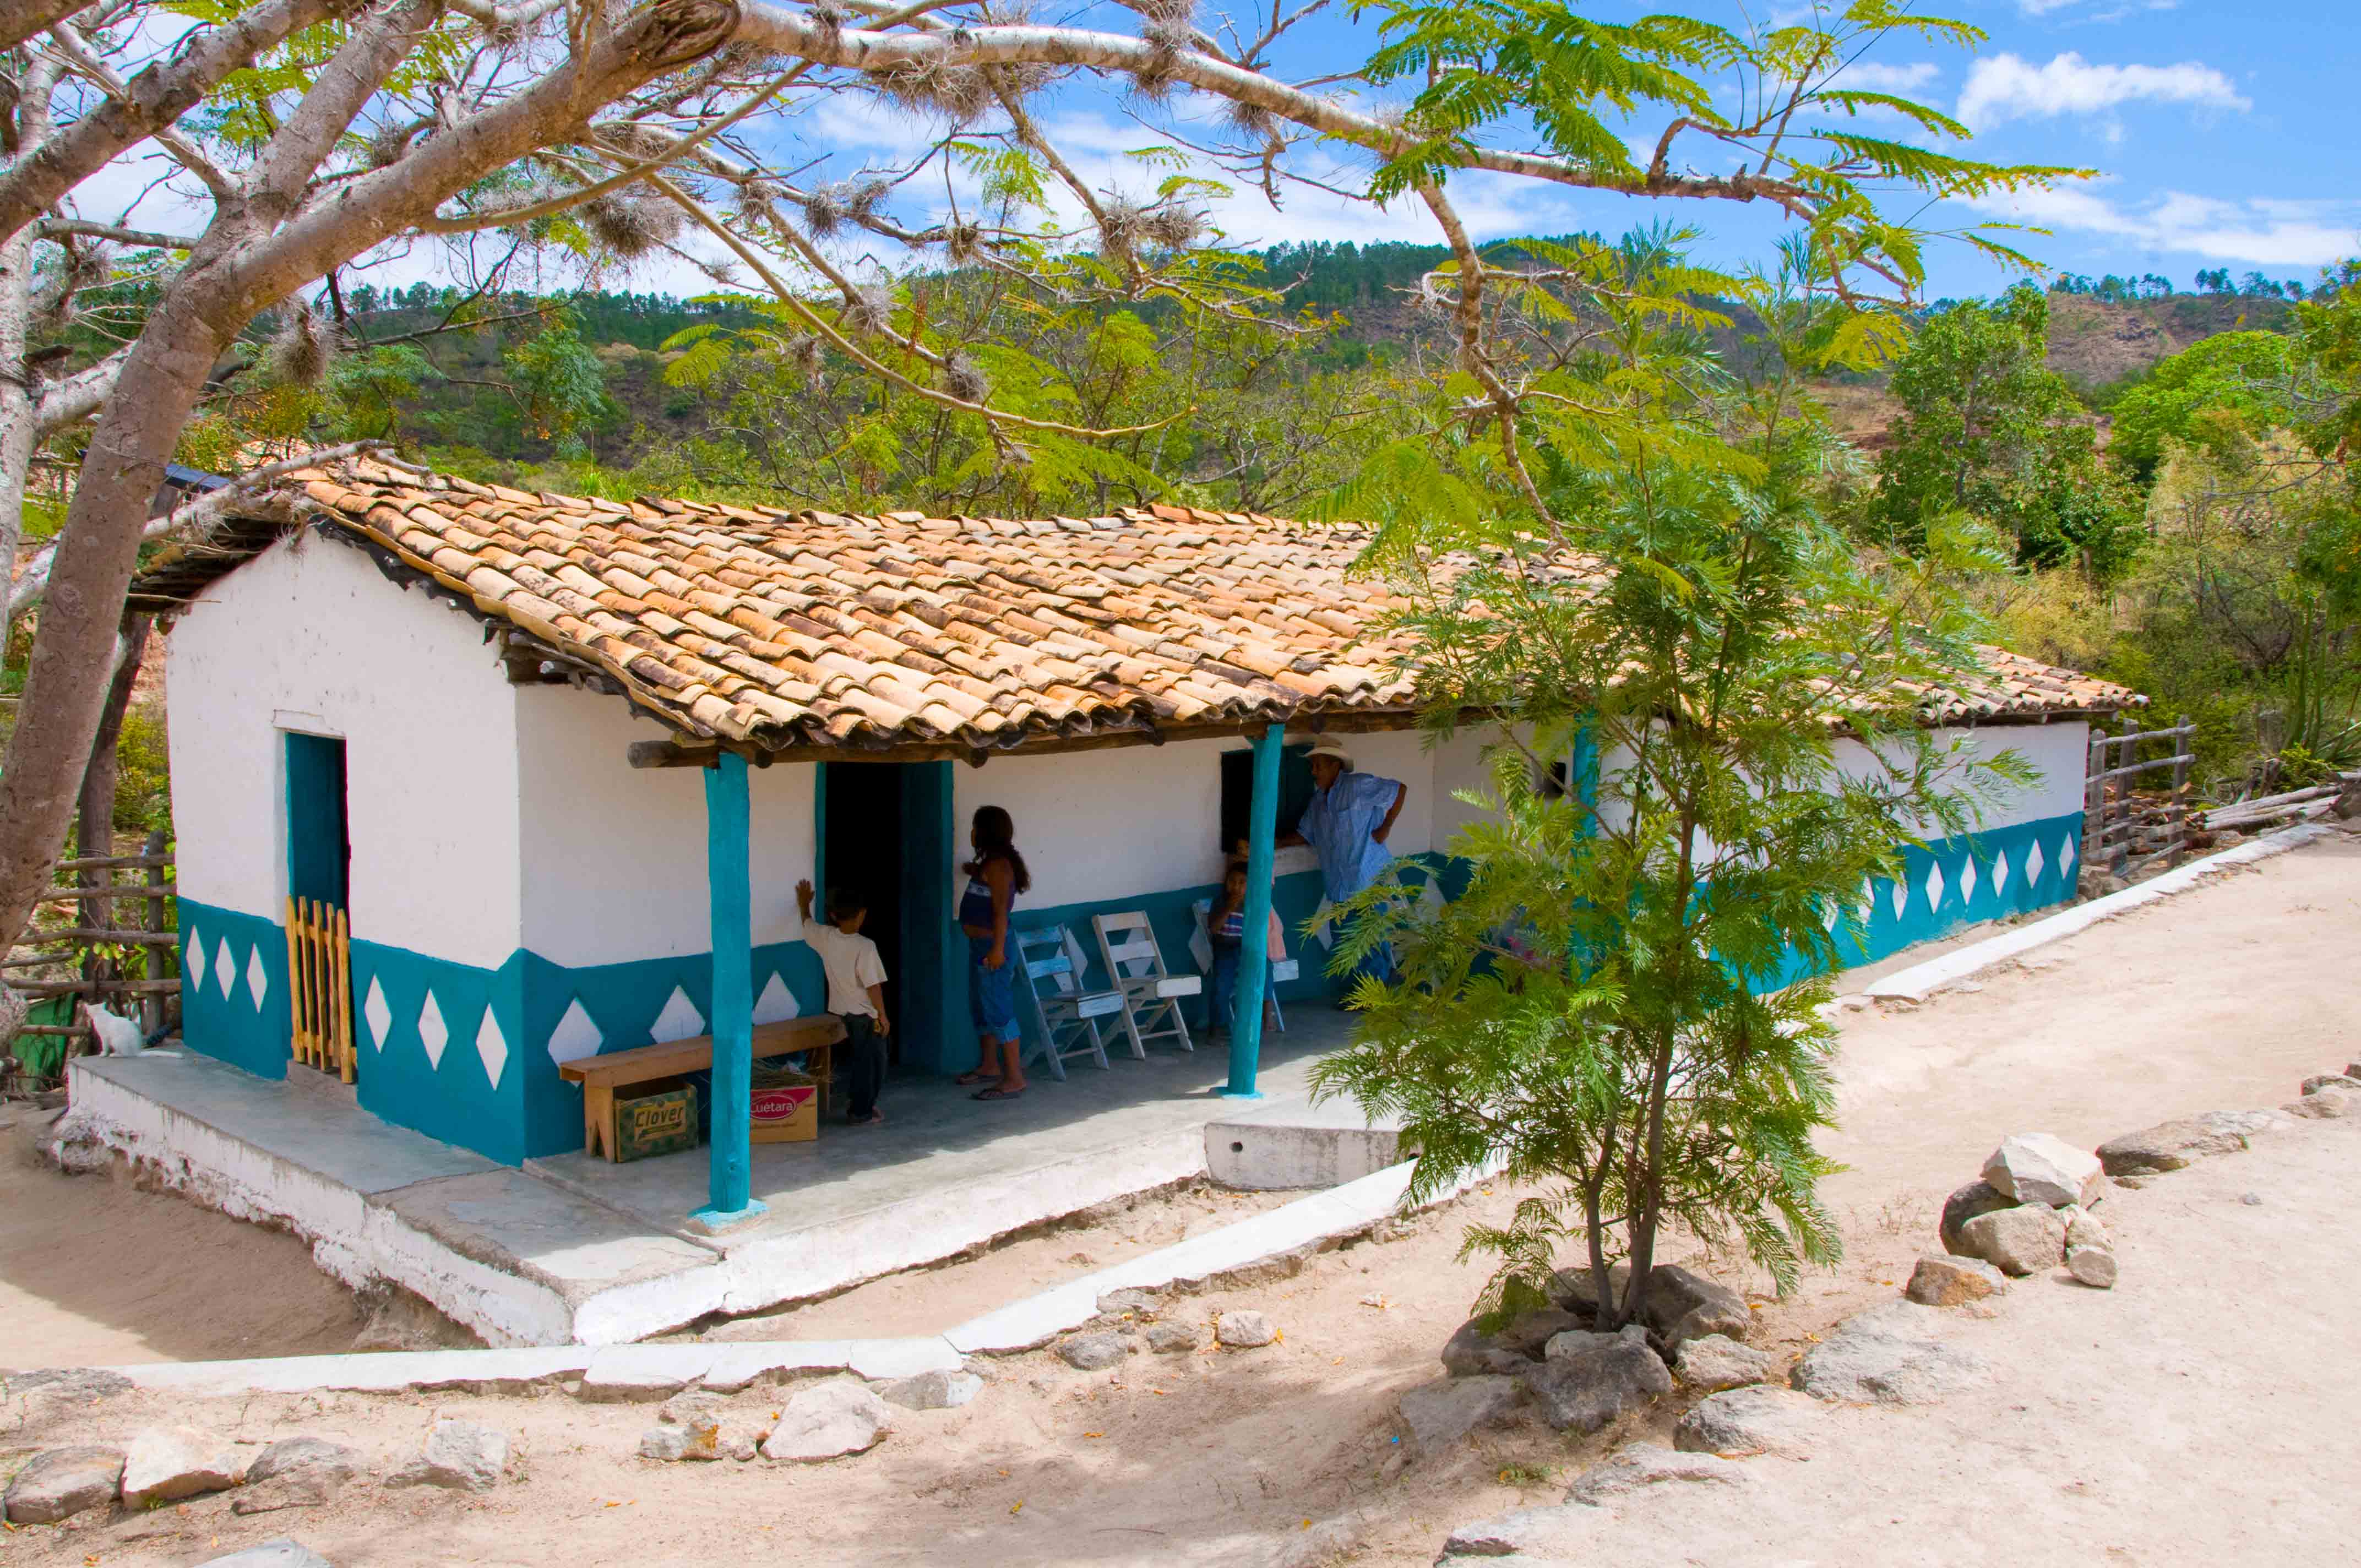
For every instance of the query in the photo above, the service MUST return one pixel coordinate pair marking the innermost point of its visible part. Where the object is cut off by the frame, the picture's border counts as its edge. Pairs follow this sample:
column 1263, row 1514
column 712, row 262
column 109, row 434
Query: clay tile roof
column 809, row 629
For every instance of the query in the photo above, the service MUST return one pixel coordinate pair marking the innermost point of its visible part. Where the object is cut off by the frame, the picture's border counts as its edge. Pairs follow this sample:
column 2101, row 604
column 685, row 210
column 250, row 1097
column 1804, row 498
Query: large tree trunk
column 73, row 666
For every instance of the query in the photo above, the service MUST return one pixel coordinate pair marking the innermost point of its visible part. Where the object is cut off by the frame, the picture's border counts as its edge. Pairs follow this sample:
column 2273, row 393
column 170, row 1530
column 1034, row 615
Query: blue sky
column 2222, row 135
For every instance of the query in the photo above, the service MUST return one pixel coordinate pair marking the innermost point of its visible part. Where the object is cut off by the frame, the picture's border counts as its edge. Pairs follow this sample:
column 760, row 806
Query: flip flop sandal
column 999, row 1094
column 969, row 1080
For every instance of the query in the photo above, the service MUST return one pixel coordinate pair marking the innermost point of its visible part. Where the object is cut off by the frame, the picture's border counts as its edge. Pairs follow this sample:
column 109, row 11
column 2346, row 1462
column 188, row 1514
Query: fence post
column 157, row 958
column 2184, row 747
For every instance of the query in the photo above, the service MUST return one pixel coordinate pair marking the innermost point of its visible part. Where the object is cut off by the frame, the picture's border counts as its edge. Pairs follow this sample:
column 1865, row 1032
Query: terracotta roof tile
column 815, row 629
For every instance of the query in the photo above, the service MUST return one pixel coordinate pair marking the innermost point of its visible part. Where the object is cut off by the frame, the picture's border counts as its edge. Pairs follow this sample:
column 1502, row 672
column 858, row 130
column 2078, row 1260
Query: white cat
column 117, row 1035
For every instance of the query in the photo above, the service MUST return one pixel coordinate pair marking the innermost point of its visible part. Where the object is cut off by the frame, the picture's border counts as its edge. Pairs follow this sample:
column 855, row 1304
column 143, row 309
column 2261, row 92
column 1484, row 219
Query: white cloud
column 1875, row 76
column 2007, row 87
column 2260, row 231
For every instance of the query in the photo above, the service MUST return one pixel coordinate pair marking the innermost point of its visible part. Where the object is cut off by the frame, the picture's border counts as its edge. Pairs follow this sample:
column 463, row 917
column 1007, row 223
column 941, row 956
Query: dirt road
column 2222, row 998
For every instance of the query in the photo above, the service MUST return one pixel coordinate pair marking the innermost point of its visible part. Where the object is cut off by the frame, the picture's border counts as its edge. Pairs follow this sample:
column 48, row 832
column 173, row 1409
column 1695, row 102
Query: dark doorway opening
column 864, row 852
column 319, row 837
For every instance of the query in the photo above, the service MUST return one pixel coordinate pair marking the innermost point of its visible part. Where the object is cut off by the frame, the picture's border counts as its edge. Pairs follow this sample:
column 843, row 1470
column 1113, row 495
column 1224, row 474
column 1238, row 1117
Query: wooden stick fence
column 320, row 985
column 2116, row 835
column 135, row 914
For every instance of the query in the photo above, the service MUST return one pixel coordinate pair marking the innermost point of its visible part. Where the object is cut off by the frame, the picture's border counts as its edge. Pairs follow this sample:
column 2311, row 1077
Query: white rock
column 164, row 1465
column 1243, row 1330
column 2036, row 1168
column 461, row 1456
column 1889, row 1355
column 932, row 1390
column 284, row 1552
column 1739, row 1421
column 2024, row 1240
column 2094, row 1266
column 2083, row 1230
column 1651, row 1464
column 829, row 1421
column 1718, row 1362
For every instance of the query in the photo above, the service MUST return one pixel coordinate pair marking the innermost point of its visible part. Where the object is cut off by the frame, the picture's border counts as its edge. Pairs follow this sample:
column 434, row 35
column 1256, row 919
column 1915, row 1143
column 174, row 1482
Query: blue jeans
column 992, row 993
column 1221, row 996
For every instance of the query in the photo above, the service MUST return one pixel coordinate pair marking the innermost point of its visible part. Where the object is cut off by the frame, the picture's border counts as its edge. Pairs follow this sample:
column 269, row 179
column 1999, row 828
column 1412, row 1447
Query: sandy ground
column 2222, row 998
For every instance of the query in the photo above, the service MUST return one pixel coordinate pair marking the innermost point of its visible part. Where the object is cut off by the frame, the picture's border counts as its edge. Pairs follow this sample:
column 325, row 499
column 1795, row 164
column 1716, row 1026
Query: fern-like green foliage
column 1703, row 715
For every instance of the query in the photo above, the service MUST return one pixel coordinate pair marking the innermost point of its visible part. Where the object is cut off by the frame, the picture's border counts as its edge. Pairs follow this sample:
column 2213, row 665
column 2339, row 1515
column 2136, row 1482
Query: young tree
column 1989, row 429
column 2232, row 382
column 1624, row 1002
column 312, row 136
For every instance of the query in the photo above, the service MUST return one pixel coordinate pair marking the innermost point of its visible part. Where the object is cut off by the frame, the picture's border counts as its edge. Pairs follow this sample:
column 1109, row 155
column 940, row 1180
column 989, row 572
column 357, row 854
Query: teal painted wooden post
column 1254, row 944
column 729, row 897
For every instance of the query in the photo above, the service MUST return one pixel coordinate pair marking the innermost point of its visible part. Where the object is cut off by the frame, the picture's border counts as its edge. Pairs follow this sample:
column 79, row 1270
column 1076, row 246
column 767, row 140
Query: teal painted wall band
column 451, row 1094
column 1254, row 941
column 731, row 898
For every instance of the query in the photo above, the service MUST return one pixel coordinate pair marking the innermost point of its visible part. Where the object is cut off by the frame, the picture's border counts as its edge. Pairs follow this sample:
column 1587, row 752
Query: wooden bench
column 601, row 1076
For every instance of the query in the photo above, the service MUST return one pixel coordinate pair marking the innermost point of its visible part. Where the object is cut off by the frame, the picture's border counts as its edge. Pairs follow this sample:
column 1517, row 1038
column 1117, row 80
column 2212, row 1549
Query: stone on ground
column 2036, row 1168
column 1742, row 1422
column 2319, row 1081
column 2169, row 1146
column 164, row 1465
column 829, row 1421
column 1243, row 1330
column 72, row 1385
column 939, row 1390
column 1093, row 1352
column 2082, row 1229
column 1681, row 1305
column 2247, row 1125
column 284, row 1552
column 460, row 1455
column 689, row 1427
column 1889, row 1355
column 2094, row 1266
column 1442, row 1412
column 1678, row 1303
column 1588, row 1388
column 1641, row 1464
column 295, row 1472
column 1539, row 1535
column 1950, row 1281
column 2022, row 1240
column 1975, row 1197
column 62, row 1482
column 1718, row 1362
column 302, row 1455
column 1173, row 1339
column 2324, row 1104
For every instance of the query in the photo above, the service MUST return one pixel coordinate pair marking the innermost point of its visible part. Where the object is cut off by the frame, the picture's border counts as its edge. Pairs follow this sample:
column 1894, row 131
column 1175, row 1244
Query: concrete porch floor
column 574, row 1250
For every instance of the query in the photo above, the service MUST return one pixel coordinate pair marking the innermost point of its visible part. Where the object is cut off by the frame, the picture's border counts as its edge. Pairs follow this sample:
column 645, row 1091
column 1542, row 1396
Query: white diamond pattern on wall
column 376, row 1014
column 493, row 1047
column 2032, row 867
column 433, row 1033
column 2066, row 853
column 576, row 1036
column 678, row 1020
column 1934, row 886
column 1867, row 901
column 1968, row 881
column 225, row 968
column 258, row 977
column 196, row 959
column 2000, row 873
column 1901, row 898
column 777, row 1004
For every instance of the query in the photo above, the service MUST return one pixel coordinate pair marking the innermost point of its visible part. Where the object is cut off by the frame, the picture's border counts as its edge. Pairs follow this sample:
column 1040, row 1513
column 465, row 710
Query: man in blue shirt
column 1347, row 826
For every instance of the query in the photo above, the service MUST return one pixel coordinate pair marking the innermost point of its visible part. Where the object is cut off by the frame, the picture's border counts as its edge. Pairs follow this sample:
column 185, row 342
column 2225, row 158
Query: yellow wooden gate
column 320, row 985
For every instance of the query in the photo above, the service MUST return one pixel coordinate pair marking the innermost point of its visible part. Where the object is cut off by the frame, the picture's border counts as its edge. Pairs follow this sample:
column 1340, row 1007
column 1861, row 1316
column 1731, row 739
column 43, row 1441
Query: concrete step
column 1294, row 1144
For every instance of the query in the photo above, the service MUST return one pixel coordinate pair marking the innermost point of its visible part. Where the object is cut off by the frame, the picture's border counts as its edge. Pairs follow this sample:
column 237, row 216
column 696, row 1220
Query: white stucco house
column 413, row 697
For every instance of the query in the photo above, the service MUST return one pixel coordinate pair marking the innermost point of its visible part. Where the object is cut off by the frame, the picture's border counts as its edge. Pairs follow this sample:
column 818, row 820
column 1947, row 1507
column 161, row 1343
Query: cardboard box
column 786, row 1108
column 662, row 1123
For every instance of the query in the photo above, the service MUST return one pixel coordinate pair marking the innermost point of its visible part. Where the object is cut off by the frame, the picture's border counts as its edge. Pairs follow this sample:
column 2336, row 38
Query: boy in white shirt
column 856, row 994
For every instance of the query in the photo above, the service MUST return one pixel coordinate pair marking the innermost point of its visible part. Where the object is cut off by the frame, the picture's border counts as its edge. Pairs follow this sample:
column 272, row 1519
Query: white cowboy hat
column 1332, row 750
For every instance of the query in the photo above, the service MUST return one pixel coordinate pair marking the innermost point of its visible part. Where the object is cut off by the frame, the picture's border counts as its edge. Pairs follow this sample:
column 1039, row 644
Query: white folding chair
column 1067, row 1016
column 1201, row 948
column 1151, row 995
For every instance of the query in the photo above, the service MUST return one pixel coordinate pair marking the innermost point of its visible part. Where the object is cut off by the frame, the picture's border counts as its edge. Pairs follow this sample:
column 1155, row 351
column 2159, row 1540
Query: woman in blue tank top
column 995, row 878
